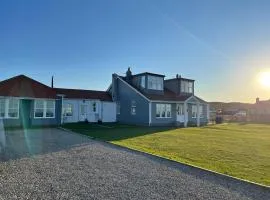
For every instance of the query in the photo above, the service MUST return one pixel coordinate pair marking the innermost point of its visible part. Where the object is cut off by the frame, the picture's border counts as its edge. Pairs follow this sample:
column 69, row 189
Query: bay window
column 155, row 82
column 163, row 110
column 44, row 109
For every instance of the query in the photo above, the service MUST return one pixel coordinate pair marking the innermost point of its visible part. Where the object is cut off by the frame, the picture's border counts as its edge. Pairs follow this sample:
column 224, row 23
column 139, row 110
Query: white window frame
column 163, row 108
column 194, row 109
column 6, row 108
column 44, row 109
column 155, row 83
column 65, row 108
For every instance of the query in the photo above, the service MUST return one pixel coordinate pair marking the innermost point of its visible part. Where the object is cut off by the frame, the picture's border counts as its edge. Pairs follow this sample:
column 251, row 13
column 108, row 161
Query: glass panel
column 155, row 83
column 68, row 110
column 143, row 81
column 158, row 111
column 168, row 110
column 50, row 108
column 2, row 108
column 94, row 107
column 163, row 110
column 13, row 109
column 39, row 112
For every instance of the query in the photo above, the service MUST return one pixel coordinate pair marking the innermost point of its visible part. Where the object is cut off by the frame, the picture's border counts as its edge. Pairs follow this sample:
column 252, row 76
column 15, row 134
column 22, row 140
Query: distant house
column 149, row 99
column 26, row 102
column 260, row 111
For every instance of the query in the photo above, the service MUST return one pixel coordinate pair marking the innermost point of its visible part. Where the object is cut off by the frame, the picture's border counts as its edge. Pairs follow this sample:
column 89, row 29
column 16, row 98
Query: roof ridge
column 23, row 76
column 81, row 90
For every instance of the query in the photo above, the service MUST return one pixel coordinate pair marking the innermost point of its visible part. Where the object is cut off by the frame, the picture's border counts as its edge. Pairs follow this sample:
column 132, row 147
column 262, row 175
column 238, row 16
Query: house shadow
column 115, row 132
column 21, row 143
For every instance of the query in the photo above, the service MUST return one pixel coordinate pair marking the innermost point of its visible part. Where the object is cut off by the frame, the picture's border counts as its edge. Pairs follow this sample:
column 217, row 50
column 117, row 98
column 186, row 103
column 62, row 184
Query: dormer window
column 142, row 82
column 155, row 83
column 186, row 86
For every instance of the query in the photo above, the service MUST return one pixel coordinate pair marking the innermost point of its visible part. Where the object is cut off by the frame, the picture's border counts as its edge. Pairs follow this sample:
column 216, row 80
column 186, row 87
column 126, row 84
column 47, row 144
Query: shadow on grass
column 114, row 132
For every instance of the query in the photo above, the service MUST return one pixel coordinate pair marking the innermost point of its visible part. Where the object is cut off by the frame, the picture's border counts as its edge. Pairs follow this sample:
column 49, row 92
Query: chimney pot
column 257, row 100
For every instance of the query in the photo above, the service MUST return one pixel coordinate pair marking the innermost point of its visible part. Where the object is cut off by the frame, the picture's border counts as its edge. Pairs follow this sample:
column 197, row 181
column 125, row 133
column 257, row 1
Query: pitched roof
column 148, row 73
column 84, row 94
column 167, row 96
column 23, row 86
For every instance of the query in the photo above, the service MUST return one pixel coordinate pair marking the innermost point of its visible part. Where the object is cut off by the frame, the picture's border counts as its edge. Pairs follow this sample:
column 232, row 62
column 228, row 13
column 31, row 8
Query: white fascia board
column 162, row 101
column 133, row 89
column 28, row 98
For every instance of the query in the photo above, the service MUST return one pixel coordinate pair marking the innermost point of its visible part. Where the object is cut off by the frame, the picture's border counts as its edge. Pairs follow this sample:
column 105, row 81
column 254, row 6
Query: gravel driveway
column 54, row 164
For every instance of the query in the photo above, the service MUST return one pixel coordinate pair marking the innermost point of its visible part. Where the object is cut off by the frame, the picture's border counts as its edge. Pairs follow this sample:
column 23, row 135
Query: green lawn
column 240, row 150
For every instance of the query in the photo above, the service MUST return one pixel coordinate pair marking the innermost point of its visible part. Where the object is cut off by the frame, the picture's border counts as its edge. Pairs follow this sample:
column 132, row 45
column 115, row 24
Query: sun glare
column 264, row 79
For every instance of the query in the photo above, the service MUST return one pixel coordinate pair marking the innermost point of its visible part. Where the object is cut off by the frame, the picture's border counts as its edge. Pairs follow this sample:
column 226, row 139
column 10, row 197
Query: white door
column 83, row 112
column 180, row 117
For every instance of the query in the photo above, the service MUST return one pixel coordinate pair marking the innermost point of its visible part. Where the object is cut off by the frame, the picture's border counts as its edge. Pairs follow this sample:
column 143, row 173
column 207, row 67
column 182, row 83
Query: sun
column 264, row 78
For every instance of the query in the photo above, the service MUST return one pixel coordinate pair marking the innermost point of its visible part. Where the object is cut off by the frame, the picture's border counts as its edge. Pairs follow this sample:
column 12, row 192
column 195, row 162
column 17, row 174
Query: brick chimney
column 128, row 75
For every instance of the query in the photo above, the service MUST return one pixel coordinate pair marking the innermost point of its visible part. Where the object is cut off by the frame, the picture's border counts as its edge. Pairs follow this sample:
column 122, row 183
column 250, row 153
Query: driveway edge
column 170, row 160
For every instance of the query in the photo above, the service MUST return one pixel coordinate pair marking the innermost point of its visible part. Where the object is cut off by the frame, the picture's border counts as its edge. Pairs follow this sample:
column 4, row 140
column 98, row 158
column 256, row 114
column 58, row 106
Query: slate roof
column 23, row 86
column 84, row 94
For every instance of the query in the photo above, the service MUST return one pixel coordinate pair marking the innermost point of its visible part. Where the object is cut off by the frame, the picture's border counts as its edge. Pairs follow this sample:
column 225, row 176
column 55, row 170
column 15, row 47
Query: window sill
column 163, row 117
column 44, row 117
column 9, row 117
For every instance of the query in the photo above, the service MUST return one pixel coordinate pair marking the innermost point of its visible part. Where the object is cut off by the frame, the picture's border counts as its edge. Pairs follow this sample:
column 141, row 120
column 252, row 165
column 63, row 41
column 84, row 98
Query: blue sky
column 221, row 44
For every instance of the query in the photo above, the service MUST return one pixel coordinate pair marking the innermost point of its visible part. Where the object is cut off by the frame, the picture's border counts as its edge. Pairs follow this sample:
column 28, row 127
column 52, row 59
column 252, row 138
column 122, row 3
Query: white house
column 90, row 105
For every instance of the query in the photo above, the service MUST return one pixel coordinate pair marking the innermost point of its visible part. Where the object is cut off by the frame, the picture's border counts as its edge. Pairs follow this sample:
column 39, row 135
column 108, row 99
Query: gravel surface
column 54, row 164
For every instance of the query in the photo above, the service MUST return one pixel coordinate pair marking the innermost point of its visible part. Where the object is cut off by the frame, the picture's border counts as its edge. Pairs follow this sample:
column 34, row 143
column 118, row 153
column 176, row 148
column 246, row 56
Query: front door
column 180, row 117
column 83, row 112
column 25, row 109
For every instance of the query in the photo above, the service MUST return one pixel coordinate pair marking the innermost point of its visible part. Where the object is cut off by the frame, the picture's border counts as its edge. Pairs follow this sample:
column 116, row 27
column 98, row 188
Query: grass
column 240, row 150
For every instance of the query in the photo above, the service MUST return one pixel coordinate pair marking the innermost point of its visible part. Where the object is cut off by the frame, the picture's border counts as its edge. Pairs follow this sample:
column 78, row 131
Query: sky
column 222, row 44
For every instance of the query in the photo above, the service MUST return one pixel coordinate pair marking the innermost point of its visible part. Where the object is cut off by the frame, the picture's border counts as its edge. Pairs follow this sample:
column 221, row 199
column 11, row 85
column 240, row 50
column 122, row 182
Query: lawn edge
column 171, row 160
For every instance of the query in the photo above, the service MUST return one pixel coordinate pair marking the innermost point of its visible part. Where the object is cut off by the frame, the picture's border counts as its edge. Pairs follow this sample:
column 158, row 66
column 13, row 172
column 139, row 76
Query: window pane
column 50, row 104
column 94, row 107
column 158, row 110
column 13, row 109
column 68, row 110
column 2, row 108
column 50, row 113
column 39, row 112
column 39, row 104
column 50, row 109
column 143, row 81
column 168, row 110
column 163, row 110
